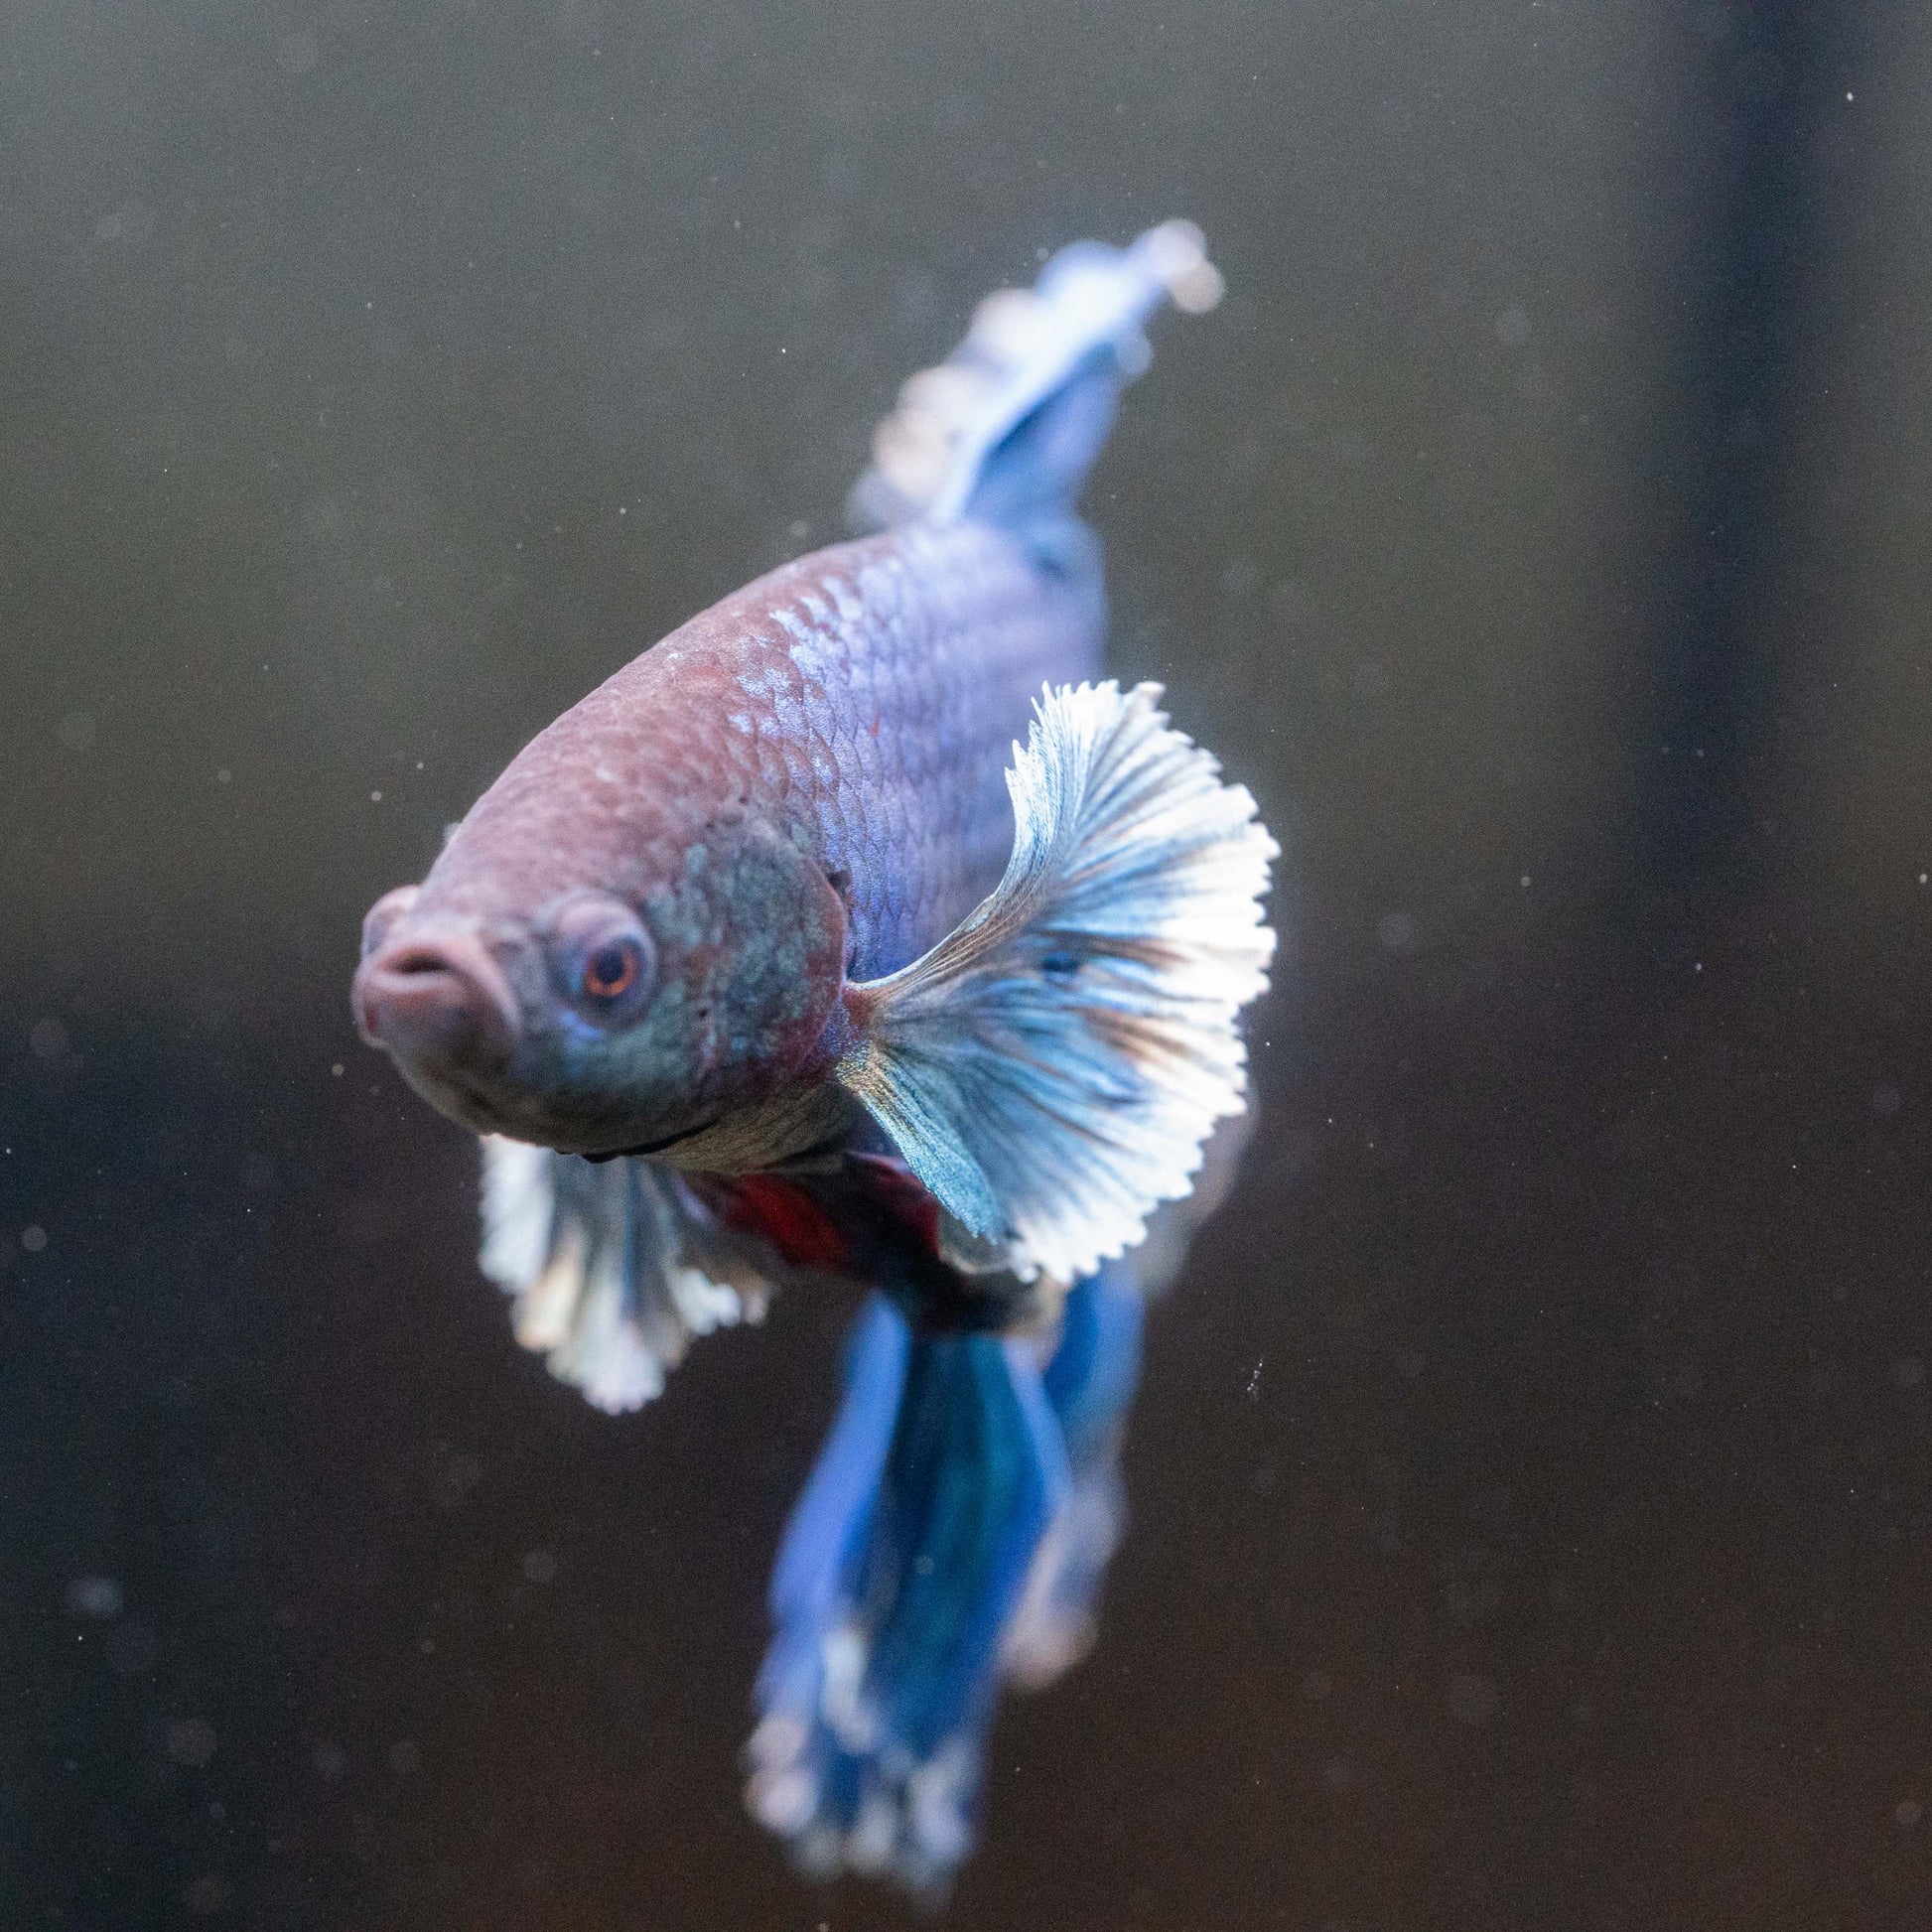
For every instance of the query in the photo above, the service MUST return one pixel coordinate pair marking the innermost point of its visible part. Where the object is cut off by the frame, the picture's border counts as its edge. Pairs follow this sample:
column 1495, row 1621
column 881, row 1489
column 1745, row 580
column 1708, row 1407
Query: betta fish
column 858, row 930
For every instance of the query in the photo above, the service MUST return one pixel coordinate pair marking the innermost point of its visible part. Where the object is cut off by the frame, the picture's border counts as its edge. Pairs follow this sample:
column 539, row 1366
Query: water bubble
column 1292, row 602
column 191, row 1741
column 540, row 1567
column 453, row 1478
column 1397, row 932
column 131, row 1649
column 1474, row 1699
column 297, row 53
column 207, row 1896
column 1908, row 1812
column 1239, row 577
column 99, row 1597
column 33, row 1239
column 331, row 1762
column 1886, row 1100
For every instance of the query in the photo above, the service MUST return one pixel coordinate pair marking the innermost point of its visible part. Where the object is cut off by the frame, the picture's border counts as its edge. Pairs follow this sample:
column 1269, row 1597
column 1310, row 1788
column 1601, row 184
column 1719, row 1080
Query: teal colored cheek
column 578, row 1031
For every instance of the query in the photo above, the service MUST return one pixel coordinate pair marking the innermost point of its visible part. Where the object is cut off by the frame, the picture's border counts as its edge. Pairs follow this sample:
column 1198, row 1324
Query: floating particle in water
column 331, row 1762
column 1319, row 1686
column 75, row 730
column 453, row 1479
column 1371, row 680
column 48, row 1038
column 298, row 52
column 1908, row 1372
column 191, row 1741
column 1472, row 1698
column 97, row 1598
column 1397, row 932
column 1886, row 1100
column 131, row 1649
column 33, row 1239
column 404, row 1757
column 1513, row 328
column 207, row 1896
column 1908, row 1812
column 540, row 1567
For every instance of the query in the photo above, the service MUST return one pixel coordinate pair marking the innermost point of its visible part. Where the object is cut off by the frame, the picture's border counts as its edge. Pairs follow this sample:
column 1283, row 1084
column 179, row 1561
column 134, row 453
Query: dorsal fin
column 1005, row 429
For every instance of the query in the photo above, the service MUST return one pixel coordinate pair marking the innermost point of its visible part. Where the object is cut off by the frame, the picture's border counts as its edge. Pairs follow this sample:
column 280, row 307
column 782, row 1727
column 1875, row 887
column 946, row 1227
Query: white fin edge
column 1052, row 1068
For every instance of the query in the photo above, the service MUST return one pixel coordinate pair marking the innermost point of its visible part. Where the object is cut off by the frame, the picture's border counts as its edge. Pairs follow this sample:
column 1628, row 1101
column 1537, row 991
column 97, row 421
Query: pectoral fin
column 1050, row 1069
column 616, row 1267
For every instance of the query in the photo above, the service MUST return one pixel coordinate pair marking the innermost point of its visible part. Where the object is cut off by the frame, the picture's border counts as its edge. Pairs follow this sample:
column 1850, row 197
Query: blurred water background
column 1531, row 1482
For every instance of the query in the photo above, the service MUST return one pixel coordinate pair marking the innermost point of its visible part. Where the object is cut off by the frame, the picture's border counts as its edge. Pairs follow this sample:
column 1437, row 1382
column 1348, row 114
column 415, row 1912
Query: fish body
column 802, row 784
column 855, row 931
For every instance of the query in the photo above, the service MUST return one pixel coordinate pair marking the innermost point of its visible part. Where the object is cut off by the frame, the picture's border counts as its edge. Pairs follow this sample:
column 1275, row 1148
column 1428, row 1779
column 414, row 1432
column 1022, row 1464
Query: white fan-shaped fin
column 615, row 1267
column 1050, row 1069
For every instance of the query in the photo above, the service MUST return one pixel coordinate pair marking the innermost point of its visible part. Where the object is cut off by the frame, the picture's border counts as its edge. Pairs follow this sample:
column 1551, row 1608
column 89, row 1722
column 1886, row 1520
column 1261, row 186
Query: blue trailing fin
column 1004, row 430
column 954, row 1531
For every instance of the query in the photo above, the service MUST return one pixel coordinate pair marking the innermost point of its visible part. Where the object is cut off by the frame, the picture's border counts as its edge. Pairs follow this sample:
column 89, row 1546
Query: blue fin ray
column 1005, row 429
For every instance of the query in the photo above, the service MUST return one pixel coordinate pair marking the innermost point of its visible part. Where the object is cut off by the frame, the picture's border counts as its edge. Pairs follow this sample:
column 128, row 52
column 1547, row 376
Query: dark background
column 1532, row 1485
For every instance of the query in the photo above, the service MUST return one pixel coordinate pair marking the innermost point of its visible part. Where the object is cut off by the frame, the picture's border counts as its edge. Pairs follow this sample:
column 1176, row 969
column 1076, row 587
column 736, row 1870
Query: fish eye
column 612, row 970
column 603, row 958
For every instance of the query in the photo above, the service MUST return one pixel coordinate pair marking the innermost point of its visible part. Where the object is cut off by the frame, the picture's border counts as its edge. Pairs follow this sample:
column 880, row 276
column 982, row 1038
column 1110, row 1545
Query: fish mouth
column 437, row 1000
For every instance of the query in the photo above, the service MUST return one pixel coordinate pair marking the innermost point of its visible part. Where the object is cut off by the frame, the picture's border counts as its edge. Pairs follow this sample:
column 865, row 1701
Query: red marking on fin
column 790, row 1219
column 893, row 1188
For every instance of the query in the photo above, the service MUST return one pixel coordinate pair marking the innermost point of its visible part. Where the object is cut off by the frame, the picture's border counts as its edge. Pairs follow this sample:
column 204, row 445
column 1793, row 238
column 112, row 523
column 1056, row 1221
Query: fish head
column 602, row 1007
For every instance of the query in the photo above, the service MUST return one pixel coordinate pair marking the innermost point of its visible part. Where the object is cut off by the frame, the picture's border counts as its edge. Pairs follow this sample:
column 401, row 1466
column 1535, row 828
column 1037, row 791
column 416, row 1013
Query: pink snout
column 435, row 999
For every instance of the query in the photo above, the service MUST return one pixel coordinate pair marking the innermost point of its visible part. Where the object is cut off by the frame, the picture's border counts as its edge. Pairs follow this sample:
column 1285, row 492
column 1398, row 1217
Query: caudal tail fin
column 1004, row 430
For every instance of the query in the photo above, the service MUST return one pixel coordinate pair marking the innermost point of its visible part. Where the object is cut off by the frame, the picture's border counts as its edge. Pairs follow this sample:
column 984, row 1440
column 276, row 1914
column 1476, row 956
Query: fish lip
column 437, row 995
